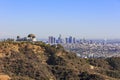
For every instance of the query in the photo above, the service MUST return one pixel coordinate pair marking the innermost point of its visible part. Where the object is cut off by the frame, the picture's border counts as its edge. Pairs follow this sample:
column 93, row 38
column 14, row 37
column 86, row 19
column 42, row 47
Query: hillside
column 40, row 61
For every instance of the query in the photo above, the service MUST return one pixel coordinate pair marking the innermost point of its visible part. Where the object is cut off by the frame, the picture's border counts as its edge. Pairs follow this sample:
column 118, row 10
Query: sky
column 79, row 18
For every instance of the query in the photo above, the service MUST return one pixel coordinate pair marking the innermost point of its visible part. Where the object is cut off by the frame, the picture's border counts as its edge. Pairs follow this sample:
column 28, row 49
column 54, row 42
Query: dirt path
column 4, row 77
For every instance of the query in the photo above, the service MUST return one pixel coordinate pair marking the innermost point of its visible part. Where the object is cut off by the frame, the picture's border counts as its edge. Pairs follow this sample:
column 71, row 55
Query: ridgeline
column 40, row 61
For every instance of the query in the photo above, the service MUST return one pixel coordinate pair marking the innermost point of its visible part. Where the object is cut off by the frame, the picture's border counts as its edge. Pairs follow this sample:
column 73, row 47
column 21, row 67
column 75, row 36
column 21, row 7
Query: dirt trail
column 4, row 77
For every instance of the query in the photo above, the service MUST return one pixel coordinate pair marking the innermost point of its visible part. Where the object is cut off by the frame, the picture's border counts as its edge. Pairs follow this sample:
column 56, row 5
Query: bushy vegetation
column 114, row 62
column 40, row 61
column 99, row 63
column 87, row 76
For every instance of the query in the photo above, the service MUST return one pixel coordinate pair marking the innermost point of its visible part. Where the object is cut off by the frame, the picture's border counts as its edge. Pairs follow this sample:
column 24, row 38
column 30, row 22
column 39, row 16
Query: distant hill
column 40, row 61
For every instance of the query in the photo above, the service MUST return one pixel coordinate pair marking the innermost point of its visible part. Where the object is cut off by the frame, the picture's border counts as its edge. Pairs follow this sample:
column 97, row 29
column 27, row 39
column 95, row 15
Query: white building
column 30, row 37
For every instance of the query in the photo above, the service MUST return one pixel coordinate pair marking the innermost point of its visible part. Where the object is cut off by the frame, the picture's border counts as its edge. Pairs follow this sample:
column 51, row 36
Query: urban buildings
column 51, row 40
column 85, row 48
column 60, row 40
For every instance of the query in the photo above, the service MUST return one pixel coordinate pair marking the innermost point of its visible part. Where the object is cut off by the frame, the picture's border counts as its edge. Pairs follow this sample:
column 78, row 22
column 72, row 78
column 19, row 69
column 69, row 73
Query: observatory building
column 30, row 37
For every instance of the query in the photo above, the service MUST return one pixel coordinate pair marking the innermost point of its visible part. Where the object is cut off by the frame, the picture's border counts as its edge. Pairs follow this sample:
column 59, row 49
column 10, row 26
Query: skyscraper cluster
column 52, row 40
column 59, row 40
column 70, row 40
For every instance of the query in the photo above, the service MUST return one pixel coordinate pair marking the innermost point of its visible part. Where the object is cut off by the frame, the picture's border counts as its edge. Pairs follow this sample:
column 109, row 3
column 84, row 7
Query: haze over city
column 79, row 18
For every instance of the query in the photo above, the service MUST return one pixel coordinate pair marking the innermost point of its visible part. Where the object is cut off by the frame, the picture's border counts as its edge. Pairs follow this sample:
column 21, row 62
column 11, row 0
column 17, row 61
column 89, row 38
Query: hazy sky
column 79, row 18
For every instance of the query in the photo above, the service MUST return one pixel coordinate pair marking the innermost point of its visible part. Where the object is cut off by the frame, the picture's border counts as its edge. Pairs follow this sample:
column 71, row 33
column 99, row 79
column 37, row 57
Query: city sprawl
column 88, row 48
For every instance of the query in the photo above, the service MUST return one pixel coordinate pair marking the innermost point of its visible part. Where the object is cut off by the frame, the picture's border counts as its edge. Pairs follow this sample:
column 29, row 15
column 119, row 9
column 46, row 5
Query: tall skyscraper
column 74, row 40
column 66, row 40
column 70, row 39
column 52, row 40
column 59, row 39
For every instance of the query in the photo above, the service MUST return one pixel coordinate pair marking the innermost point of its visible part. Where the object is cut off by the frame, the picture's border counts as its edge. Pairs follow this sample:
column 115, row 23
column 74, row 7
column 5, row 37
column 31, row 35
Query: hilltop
column 40, row 61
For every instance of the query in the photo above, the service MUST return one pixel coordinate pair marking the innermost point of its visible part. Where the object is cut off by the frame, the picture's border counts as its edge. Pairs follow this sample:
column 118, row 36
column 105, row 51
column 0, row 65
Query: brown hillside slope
column 40, row 61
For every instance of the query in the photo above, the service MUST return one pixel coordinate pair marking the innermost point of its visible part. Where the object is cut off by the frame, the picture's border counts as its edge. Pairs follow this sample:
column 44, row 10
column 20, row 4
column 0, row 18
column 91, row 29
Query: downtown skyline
column 82, row 19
